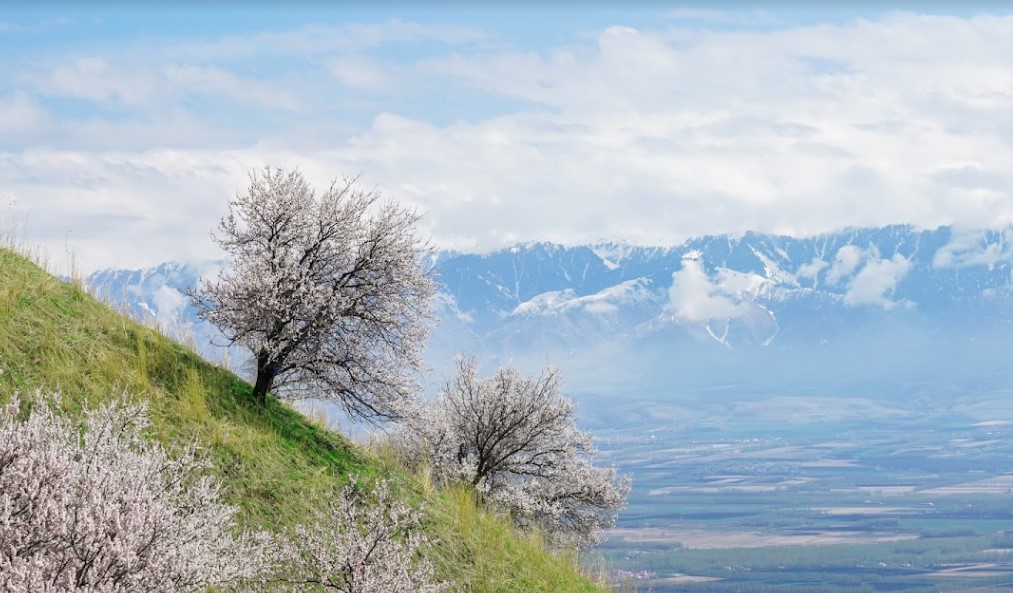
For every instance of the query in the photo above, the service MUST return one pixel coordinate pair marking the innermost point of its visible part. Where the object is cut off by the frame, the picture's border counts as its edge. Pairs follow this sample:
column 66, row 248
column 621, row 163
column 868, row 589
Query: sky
column 124, row 131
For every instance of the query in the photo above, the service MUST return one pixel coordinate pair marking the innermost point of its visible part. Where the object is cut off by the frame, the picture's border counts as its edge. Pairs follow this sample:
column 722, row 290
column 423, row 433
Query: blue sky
column 124, row 131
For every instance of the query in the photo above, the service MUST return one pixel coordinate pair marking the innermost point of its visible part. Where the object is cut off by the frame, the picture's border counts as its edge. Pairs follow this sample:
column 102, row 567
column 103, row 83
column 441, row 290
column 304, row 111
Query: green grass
column 477, row 545
column 275, row 462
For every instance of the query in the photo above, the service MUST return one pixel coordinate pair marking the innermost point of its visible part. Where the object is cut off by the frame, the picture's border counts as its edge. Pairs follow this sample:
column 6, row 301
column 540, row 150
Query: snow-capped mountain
column 877, row 308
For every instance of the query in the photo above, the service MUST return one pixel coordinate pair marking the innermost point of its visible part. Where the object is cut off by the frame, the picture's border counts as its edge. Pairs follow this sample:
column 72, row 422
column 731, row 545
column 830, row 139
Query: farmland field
column 905, row 499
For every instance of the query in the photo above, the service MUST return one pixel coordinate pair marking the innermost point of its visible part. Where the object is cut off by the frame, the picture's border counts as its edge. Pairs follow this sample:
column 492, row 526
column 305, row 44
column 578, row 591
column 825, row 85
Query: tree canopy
column 515, row 438
column 329, row 292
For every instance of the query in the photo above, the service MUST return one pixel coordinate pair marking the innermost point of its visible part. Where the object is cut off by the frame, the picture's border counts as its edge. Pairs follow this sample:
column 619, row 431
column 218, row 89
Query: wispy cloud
column 974, row 247
column 727, row 17
column 876, row 280
column 649, row 134
column 149, row 87
column 319, row 39
column 360, row 73
column 21, row 115
column 58, row 21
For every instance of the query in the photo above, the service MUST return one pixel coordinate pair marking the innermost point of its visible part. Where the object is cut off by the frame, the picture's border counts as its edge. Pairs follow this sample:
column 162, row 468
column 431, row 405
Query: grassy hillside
column 275, row 461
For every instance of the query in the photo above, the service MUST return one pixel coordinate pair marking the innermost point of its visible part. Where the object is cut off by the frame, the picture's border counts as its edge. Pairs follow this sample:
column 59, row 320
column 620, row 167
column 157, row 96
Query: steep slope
column 275, row 462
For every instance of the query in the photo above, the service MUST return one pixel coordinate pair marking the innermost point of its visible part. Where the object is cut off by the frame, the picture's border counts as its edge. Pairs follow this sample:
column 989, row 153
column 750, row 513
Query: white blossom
column 330, row 293
column 363, row 541
column 515, row 439
column 96, row 507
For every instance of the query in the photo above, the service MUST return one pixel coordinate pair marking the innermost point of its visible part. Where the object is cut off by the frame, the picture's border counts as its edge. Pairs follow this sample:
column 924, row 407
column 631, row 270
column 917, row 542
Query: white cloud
column 96, row 79
column 215, row 81
column 975, row 248
column 121, row 209
column 693, row 297
column 868, row 278
column 169, row 304
column 149, row 87
column 648, row 135
column 360, row 72
column 730, row 122
column 812, row 270
column 876, row 280
column 845, row 263
column 20, row 113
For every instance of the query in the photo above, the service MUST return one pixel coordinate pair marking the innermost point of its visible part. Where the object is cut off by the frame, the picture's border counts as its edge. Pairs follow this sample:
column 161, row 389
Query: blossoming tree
column 364, row 540
column 329, row 292
column 515, row 438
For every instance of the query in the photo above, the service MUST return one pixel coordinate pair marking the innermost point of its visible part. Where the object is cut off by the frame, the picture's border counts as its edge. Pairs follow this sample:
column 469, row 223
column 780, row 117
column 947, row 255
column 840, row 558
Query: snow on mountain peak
column 544, row 303
column 893, row 290
column 609, row 300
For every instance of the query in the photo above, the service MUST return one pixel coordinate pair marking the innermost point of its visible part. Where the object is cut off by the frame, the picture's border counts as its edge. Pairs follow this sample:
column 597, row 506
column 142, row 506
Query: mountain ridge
column 720, row 303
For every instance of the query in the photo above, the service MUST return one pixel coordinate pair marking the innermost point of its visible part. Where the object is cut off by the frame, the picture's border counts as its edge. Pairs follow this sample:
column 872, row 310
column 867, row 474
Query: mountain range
column 882, row 312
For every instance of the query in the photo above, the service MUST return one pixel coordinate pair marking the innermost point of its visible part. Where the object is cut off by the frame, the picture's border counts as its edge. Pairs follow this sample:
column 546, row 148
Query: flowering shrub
column 365, row 541
column 97, row 507
column 515, row 439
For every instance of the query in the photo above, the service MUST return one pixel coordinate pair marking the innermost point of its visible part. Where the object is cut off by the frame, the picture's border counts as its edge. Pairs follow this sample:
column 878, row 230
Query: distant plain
column 775, row 493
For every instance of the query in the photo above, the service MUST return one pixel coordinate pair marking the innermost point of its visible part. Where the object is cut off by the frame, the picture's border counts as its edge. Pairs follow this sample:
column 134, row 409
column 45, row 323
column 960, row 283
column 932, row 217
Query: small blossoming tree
column 515, row 438
column 363, row 541
column 96, row 507
column 329, row 292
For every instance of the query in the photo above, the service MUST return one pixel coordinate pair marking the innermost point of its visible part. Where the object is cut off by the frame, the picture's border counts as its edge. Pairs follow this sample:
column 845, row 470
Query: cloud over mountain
column 754, row 309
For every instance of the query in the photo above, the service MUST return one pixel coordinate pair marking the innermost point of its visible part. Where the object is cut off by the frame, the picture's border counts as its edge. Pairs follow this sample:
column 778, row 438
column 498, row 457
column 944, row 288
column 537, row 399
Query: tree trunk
column 266, row 371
